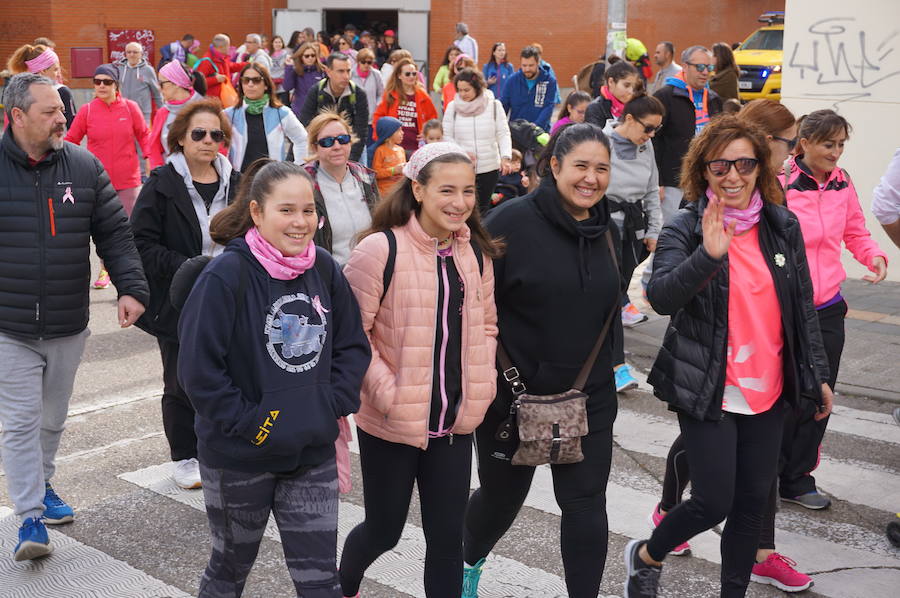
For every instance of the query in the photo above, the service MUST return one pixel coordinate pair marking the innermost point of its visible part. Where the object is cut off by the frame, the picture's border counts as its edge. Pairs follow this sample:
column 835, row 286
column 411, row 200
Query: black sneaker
column 641, row 579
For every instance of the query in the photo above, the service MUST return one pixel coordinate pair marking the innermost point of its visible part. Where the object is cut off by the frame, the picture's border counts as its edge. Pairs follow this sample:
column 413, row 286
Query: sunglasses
column 720, row 168
column 199, row 134
column 791, row 143
column 329, row 141
column 103, row 81
column 409, row 74
column 366, row 61
column 308, row 56
column 253, row 80
column 648, row 129
column 702, row 67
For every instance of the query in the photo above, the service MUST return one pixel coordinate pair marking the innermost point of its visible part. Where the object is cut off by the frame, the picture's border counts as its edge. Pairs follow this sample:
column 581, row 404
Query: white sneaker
column 631, row 316
column 187, row 474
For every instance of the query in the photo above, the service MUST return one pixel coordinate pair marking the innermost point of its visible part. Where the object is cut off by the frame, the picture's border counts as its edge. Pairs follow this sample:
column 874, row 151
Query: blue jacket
column 534, row 105
column 268, row 383
column 502, row 71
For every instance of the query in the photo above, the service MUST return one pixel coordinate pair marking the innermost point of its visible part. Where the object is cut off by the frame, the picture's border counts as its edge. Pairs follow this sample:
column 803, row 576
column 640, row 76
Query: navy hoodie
column 269, row 383
column 534, row 104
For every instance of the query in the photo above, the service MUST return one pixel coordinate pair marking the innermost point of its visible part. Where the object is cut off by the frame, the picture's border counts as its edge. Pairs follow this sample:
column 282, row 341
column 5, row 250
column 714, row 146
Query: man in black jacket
column 350, row 100
column 54, row 199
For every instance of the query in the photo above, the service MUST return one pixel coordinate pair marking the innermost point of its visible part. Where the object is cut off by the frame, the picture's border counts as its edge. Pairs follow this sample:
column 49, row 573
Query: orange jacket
column 396, row 391
column 387, row 164
column 425, row 109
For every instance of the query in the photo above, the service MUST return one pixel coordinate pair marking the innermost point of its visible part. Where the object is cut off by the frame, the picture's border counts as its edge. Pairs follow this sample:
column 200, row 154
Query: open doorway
column 376, row 21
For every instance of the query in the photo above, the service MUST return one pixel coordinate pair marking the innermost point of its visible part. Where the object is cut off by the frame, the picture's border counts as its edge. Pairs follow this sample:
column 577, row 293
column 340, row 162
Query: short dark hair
column 670, row 47
column 564, row 141
column 530, row 52
column 471, row 76
column 641, row 106
column 187, row 37
column 329, row 61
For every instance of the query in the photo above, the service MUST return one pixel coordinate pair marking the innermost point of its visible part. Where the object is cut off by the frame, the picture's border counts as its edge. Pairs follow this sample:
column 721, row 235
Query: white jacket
column 486, row 135
column 280, row 123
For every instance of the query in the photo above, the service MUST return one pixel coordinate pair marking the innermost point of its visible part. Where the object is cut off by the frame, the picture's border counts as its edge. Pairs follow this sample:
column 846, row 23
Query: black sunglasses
column 366, row 61
column 720, row 168
column 308, row 56
column 253, row 80
column 791, row 143
column 329, row 141
column 198, row 134
column 702, row 67
column 103, row 81
column 648, row 129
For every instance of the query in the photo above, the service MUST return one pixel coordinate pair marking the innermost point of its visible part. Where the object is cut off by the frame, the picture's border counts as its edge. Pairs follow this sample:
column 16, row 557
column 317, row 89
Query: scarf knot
column 279, row 266
column 256, row 106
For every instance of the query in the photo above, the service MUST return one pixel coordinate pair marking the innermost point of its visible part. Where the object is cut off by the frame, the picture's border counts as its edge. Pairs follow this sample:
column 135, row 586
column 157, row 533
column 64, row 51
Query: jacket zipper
column 52, row 217
column 819, row 244
column 42, row 253
column 442, row 361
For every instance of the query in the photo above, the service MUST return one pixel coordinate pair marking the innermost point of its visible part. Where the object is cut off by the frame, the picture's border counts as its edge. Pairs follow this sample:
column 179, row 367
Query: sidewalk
column 870, row 365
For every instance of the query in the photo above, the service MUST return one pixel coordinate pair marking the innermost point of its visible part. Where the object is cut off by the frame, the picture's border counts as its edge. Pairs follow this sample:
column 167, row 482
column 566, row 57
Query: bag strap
column 511, row 374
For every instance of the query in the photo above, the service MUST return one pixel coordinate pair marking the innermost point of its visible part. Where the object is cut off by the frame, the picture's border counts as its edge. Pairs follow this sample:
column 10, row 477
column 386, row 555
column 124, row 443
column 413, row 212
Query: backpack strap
column 389, row 264
column 215, row 68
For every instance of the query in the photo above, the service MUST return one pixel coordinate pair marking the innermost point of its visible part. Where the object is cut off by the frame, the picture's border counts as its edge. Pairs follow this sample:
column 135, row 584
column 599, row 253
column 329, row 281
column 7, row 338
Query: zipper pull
column 451, row 438
column 37, row 311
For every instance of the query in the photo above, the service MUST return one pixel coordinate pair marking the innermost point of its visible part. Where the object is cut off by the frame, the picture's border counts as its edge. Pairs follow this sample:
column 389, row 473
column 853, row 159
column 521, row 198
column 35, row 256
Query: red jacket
column 214, row 64
column 425, row 109
column 111, row 130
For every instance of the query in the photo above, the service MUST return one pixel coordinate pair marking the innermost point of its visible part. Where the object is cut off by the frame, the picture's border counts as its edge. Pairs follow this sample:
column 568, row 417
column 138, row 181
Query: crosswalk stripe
column 866, row 424
column 73, row 569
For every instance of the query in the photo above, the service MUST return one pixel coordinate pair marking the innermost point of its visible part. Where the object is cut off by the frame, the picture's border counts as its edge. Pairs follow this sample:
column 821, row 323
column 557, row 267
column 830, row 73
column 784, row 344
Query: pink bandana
column 174, row 72
column 617, row 105
column 746, row 218
column 426, row 154
column 42, row 61
column 277, row 265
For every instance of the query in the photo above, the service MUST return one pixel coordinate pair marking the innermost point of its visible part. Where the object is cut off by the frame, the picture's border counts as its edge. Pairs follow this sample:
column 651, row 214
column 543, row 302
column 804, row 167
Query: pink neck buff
column 746, row 218
column 617, row 105
column 42, row 61
column 277, row 265
column 174, row 72
column 362, row 73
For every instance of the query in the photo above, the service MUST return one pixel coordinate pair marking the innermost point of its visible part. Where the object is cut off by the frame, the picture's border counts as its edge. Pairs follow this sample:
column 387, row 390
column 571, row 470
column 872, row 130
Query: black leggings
column 732, row 463
column 485, row 183
column 177, row 411
column 580, row 490
column 389, row 470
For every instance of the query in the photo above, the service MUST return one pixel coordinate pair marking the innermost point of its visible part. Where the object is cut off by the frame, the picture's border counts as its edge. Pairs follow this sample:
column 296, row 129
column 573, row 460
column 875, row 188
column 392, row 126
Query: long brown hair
column 394, row 84
column 256, row 185
column 400, row 205
column 274, row 102
column 298, row 60
column 713, row 139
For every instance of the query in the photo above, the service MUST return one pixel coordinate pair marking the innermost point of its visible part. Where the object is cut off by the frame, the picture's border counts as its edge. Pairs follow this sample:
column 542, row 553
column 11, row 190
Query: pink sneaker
column 683, row 549
column 778, row 570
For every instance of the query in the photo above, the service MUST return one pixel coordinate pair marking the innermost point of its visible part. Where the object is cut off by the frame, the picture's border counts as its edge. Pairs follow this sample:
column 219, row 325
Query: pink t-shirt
column 754, row 372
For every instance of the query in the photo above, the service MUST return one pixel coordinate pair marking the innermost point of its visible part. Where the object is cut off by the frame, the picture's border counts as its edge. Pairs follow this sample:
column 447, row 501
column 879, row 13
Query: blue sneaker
column 625, row 380
column 33, row 540
column 471, row 575
column 56, row 510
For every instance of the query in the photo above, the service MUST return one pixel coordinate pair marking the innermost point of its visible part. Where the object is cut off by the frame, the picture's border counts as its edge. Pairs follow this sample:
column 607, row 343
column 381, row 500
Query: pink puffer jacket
column 828, row 215
column 396, row 392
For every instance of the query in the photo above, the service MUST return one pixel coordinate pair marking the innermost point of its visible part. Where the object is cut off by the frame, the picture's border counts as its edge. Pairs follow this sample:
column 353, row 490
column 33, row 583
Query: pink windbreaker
column 828, row 215
column 396, row 391
column 111, row 130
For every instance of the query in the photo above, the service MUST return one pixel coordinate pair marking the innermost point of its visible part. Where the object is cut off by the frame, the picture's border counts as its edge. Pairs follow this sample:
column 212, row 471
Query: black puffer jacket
column 692, row 287
column 167, row 233
column 48, row 215
column 598, row 111
column 679, row 125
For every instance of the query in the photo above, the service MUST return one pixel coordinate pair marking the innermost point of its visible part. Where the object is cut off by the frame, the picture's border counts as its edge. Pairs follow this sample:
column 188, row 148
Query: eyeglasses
column 720, row 168
column 253, row 80
column 791, row 143
column 648, row 129
column 409, row 74
column 329, row 141
column 366, row 61
column 308, row 56
column 103, row 81
column 702, row 67
column 199, row 134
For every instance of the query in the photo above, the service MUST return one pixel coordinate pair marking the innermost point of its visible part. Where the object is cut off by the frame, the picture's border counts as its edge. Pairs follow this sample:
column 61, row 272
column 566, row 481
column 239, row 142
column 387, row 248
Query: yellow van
column 759, row 59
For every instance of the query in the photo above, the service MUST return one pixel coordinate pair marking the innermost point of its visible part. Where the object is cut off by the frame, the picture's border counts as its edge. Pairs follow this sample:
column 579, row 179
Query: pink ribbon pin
column 67, row 196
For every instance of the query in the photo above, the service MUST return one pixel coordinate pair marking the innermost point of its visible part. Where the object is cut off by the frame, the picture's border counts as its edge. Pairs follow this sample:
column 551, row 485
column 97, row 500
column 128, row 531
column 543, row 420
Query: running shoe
column 471, row 575
column 56, row 511
column 631, row 316
column 897, row 415
column 778, row 570
column 102, row 281
column 814, row 500
column 187, row 474
column 625, row 380
column 34, row 542
column 654, row 519
column 641, row 579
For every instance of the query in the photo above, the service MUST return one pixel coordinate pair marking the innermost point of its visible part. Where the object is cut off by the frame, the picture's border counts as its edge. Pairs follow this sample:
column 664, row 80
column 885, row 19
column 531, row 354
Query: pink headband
column 42, row 61
column 460, row 57
column 174, row 72
column 425, row 154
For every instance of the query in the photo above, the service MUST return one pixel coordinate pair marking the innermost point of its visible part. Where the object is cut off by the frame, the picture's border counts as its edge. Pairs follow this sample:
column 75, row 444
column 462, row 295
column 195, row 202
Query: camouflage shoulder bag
column 550, row 427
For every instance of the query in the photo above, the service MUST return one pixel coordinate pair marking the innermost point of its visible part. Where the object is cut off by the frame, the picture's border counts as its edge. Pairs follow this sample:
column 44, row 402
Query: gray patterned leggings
column 305, row 506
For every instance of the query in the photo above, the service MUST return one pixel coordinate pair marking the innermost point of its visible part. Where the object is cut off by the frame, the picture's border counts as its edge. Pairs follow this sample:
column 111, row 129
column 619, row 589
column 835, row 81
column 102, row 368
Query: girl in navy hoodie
column 273, row 353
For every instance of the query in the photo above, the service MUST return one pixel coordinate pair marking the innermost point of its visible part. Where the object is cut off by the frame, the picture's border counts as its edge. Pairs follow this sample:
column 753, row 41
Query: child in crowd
column 433, row 131
column 572, row 110
column 273, row 353
column 388, row 156
column 514, row 184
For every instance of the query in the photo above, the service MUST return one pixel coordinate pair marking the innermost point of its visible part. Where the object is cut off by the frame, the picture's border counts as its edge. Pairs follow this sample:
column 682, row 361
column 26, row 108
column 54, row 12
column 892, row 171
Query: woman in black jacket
column 171, row 224
column 556, row 285
column 744, row 338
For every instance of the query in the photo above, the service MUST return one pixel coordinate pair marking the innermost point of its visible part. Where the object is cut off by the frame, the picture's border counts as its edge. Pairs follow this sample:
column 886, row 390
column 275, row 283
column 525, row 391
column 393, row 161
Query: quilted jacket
column 396, row 392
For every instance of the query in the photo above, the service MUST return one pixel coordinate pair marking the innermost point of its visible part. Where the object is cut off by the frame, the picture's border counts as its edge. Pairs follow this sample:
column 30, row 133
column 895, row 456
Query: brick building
column 573, row 32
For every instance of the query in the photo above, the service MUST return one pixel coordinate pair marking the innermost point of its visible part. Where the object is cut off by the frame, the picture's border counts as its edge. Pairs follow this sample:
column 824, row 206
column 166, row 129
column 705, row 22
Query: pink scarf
column 362, row 73
column 746, row 218
column 473, row 108
column 617, row 105
column 277, row 265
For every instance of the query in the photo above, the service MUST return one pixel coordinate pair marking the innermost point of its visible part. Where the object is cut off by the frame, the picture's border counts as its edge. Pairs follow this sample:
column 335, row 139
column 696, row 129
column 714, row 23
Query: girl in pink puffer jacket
column 432, row 324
